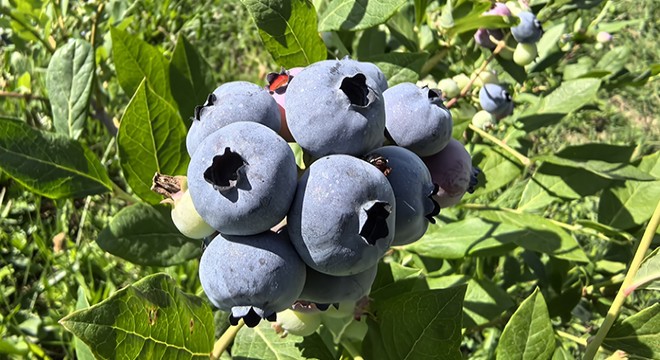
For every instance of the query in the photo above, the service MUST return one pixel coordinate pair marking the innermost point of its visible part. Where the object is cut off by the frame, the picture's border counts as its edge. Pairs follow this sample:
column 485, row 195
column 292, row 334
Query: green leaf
column 570, row 96
column 83, row 351
column 631, row 203
column 638, row 335
column 136, row 60
column 648, row 275
column 473, row 22
column 537, row 233
column 399, row 67
column 69, row 83
column 607, row 170
column 51, row 165
column 151, row 319
column 462, row 238
column 353, row 15
column 393, row 279
column 263, row 343
column 417, row 325
column 551, row 182
column 484, row 300
column 146, row 235
column 151, row 139
column 497, row 170
column 288, row 29
column 190, row 76
column 528, row 334
column 614, row 60
column 404, row 31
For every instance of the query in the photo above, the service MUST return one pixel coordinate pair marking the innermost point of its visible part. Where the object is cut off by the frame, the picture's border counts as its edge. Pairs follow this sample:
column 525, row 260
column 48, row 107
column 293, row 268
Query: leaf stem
column 27, row 97
column 575, row 339
column 500, row 45
column 225, row 340
column 522, row 158
column 352, row 350
column 120, row 193
column 624, row 291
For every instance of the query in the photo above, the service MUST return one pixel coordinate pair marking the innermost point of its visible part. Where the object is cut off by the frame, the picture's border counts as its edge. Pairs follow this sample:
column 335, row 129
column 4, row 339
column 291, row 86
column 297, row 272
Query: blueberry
column 253, row 277
column 242, row 178
column 232, row 102
column 277, row 85
column 187, row 220
column 372, row 71
column 529, row 30
column 452, row 170
column 327, row 289
column 296, row 323
column 483, row 37
column 417, row 119
column 334, row 108
column 525, row 53
column 496, row 100
column 499, row 9
column 484, row 120
column 343, row 215
column 413, row 188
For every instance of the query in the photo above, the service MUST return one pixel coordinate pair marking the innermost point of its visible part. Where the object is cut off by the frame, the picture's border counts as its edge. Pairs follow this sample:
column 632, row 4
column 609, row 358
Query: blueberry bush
column 329, row 179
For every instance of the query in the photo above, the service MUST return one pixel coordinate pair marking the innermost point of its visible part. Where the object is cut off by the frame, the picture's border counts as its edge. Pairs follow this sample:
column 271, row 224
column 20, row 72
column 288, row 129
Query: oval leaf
column 528, row 334
column 570, row 96
column 648, row 275
column 289, row 30
column 399, row 67
column 357, row 15
column 263, row 343
column 151, row 319
column 151, row 139
column 49, row 164
column 638, row 335
column 146, row 235
column 69, row 84
column 417, row 325
column 136, row 60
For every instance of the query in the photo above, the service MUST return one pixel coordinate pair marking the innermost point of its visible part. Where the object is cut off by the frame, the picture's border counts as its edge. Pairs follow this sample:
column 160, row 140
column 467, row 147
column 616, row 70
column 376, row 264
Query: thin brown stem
column 26, row 96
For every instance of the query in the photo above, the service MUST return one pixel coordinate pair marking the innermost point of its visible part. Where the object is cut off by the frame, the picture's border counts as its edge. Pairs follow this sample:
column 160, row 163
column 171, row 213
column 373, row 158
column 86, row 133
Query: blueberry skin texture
column 452, row 170
column 334, row 108
column 413, row 187
column 232, row 102
column 372, row 71
column 496, row 100
column 260, row 273
column 332, row 206
column 260, row 196
column 417, row 119
column 327, row 289
column 529, row 29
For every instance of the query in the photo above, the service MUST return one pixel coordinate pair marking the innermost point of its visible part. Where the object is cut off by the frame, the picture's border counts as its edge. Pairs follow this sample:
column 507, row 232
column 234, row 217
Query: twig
column 225, row 340
column 27, row 97
column 522, row 158
column 500, row 45
column 624, row 290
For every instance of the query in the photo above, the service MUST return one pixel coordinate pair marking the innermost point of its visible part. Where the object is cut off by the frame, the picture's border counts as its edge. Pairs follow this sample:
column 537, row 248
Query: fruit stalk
column 522, row 158
column 613, row 312
column 225, row 340
column 500, row 46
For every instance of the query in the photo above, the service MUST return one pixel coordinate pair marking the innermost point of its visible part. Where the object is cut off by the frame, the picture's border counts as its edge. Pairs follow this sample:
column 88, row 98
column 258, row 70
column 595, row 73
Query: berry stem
column 522, row 158
column 624, row 291
column 225, row 340
column 352, row 350
column 500, row 45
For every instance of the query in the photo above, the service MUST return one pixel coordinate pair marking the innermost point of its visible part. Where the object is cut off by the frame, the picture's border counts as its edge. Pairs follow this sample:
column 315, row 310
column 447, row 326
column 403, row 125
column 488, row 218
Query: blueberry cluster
column 526, row 34
column 383, row 163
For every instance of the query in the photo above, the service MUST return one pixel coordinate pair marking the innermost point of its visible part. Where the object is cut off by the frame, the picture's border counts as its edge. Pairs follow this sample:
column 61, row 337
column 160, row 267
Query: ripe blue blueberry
column 529, row 30
column 232, row 102
column 327, row 289
column 253, row 277
column 242, row 179
column 417, row 119
column 343, row 215
column 413, row 188
column 334, row 108
column 496, row 100
column 370, row 70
